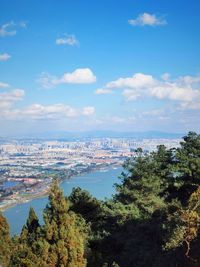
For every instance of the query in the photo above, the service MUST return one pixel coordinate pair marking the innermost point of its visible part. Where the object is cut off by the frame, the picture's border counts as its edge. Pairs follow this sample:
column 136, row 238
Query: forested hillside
column 153, row 220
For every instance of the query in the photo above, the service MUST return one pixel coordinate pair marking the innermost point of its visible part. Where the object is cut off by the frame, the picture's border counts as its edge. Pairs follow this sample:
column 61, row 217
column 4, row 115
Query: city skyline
column 99, row 65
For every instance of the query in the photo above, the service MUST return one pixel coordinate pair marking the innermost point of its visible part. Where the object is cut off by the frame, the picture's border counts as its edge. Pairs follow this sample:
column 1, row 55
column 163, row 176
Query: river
column 98, row 183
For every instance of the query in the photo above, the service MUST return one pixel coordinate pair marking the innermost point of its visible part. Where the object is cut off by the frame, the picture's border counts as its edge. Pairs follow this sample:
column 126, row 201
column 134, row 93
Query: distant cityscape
column 27, row 167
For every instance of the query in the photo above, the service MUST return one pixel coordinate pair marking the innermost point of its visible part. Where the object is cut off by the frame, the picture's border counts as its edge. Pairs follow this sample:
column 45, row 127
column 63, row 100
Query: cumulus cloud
column 68, row 40
column 165, row 76
column 4, row 85
column 130, row 95
column 173, row 92
column 47, row 81
column 102, row 91
column 88, row 111
column 147, row 19
column 50, row 112
column 38, row 111
column 184, row 90
column 7, row 99
column 7, row 29
column 189, row 80
column 191, row 105
column 4, row 57
column 10, row 28
column 138, row 80
column 79, row 76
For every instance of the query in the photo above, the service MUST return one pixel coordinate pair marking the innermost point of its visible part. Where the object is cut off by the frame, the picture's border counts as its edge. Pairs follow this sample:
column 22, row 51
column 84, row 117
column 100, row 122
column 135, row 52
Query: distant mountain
column 100, row 134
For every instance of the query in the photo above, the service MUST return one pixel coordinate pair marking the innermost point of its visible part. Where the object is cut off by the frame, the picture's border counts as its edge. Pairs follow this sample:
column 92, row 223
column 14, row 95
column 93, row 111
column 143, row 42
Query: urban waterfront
column 27, row 167
column 99, row 183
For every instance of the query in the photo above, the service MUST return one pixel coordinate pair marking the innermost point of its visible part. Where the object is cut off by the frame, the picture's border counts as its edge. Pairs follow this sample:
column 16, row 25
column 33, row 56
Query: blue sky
column 73, row 65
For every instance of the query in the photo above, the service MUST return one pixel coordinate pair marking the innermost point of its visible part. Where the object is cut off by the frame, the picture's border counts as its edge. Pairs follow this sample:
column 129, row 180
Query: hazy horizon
column 76, row 135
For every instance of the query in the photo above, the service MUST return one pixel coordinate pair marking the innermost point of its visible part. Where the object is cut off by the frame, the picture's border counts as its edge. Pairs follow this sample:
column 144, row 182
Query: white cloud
column 132, row 87
column 47, row 81
column 183, row 90
column 130, row 95
column 4, row 85
column 165, row 76
column 138, row 80
column 7, row 99
column 68, row 40
column 4, row 57
column 191, row 105
column 41, row 112
column 7, row 29
column 10, row 28
column 14, row 95
column 102, row 91
column 88, row 111
column 173, row 92
column 189, row 80
column 38, row 111
column 79, row 76
column 147, row 19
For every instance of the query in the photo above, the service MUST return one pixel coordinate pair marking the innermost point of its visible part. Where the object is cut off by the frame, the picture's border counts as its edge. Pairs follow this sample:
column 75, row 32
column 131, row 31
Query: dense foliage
column 5, row 242
column 153, row 219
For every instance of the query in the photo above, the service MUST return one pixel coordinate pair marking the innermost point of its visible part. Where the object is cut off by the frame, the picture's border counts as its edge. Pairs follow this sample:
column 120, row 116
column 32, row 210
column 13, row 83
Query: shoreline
column 45, row 192
column 24, row 200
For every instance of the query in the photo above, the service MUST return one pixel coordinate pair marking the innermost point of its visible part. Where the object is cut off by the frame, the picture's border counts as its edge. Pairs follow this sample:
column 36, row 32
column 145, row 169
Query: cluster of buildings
column 27, row 167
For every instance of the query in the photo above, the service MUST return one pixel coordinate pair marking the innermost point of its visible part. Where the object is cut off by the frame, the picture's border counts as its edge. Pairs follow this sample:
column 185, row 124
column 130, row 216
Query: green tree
column 63, row 233
column 24, row 252
column 153, row 220
column 185, row 237
column 185, row 178
column 5, row 242
column 83, row 203
column 141, row 185
column 31, row 230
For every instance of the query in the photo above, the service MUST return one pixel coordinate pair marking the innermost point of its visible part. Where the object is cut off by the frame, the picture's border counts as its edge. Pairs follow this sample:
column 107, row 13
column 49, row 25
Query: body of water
column 9, row 184
column 98, row 183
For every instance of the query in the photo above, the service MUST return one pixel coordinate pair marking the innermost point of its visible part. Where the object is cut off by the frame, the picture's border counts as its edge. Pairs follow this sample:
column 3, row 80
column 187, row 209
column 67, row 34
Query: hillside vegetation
column 153, row 220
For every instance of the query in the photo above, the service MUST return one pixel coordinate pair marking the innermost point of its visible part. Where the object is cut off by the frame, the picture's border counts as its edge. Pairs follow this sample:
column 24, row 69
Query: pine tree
column 186, row 176
column 25, row 252
column 31, row 230
column 64, row 238
column 5, row 242
column 141, row 185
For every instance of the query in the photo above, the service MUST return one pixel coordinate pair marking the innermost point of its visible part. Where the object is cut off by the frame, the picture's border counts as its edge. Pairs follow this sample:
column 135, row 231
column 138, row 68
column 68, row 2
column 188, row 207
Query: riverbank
column 22, row 199
column 44, row 190
column 98, row 183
